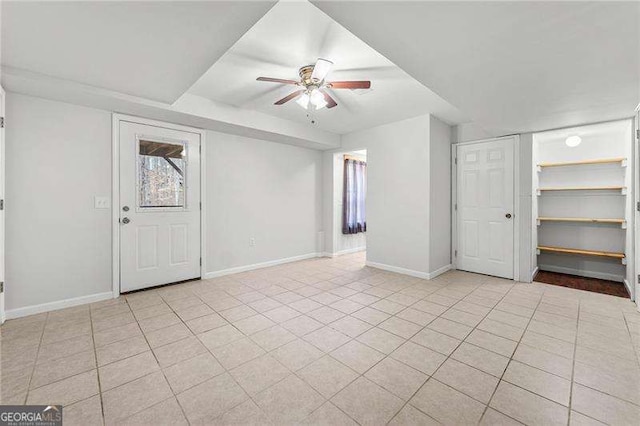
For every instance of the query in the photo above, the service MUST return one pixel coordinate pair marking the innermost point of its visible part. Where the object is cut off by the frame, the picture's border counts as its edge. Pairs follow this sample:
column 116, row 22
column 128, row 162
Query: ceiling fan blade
column 277, row 80
column 350, row 84
column 289, row 97
column 330, row 101
column 321, row 69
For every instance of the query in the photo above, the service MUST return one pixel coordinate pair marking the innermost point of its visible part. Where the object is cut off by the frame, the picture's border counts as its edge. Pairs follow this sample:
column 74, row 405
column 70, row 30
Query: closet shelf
column 621, row 160
column 622, row 189
column 607, row 254
column 621, row 222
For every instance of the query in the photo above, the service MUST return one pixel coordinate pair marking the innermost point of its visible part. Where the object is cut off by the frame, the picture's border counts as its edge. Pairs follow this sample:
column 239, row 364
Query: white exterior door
column 159, row 205
column 485, row 199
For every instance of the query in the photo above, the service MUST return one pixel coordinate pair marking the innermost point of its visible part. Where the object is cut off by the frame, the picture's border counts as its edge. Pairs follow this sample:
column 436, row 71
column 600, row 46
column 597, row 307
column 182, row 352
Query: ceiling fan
column 312, row 81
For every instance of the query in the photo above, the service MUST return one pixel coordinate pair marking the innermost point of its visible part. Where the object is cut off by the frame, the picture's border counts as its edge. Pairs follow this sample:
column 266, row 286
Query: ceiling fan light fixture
column 321, row 69
column 303, row 100
column 316, row 97
column 313, row 78
column 320, row 105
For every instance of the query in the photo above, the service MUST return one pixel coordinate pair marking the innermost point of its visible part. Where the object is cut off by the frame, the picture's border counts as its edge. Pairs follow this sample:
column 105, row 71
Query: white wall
column 58, row 246
column 268, row 191
column 439, row 195
column 344, row 243
column 468, row 132
column 58, row 157
column 397, row 192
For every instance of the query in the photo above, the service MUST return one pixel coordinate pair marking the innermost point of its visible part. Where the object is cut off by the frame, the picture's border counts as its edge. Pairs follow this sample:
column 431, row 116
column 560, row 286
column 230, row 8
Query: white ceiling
column 512, row 66
column 509, row 66
column 151, row 49
column 293, row 34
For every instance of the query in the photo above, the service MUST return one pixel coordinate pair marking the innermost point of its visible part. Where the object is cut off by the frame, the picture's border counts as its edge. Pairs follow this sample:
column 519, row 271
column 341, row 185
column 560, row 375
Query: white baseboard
column 399, row 270
column 343, row 252
column 352, row 250
column 628, row 286
column 60, row 304
column 534, row 273
column 237, row 269
column 439, row 271
column 590, row 274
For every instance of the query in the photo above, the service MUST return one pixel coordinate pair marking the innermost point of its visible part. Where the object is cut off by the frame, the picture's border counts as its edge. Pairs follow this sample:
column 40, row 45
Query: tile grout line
column 95, row 356
column 35, row 361
column 508, row 363
column 430, row 376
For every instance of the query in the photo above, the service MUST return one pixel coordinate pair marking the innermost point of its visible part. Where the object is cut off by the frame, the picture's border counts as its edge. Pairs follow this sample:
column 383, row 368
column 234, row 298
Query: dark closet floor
column 612, row 288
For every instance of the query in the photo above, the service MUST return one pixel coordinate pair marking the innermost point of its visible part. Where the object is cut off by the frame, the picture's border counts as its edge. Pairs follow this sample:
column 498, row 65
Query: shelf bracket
column 538, row 252
column 538, row 168
column 538, row 222
column 623, row 163
column 623, row 191
column 624, row 260
column 538, row 192
column 623, row 225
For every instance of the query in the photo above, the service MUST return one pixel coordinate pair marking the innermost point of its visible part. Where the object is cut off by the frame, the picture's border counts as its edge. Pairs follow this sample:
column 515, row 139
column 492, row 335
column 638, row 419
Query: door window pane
column 161, row 174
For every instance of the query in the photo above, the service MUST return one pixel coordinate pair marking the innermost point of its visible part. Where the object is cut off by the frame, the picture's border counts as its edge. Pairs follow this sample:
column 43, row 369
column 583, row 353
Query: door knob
column 125, row 208
column 508, row 215
column 125, row 220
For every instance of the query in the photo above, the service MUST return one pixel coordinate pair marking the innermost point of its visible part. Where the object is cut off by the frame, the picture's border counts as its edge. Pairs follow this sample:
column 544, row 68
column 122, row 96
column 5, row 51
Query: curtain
column 353, row 197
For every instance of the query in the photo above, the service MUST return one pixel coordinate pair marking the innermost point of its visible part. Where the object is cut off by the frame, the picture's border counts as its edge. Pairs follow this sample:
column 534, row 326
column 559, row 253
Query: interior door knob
column 508, row 215
column 125, row 220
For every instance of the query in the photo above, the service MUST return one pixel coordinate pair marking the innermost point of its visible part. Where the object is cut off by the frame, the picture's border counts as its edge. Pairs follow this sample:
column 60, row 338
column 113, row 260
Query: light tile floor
column 330, row 341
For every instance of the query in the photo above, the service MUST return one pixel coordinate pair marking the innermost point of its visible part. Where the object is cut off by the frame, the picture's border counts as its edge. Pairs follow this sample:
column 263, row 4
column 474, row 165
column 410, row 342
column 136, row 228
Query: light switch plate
column 102, row 202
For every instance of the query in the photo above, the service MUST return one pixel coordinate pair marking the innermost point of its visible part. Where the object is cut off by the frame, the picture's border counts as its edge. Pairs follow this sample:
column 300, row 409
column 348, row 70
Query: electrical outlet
column 252, row 242
column 101, row 202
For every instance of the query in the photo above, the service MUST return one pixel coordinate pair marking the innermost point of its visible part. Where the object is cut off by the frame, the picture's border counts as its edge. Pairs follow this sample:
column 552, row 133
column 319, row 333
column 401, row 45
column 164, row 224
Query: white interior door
column 159, row 206
column 485, row 199
column 2, row 161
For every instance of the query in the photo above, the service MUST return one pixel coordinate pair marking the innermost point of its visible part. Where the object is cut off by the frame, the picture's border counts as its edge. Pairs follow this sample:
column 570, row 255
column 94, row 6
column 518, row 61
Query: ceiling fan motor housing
column 305, row 75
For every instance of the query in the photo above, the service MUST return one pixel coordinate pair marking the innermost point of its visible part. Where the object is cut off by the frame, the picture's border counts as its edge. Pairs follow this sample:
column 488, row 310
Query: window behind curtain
column 353, row 196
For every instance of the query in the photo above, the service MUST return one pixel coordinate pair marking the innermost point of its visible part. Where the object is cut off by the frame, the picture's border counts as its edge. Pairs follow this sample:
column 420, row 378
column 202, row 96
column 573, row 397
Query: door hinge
column 1, row 122
column 1, row 286
column 455, row 207
column 200, row 205
column 637, row 134
column 455, row 160
column 200, row 261
column 455, row 253
column 1, row 204
column 637, row 206
column 638, row 278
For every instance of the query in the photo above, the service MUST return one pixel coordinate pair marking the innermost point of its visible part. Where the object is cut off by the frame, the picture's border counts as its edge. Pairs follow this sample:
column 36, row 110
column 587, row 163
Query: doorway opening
column 583, row 207
column 349, row 202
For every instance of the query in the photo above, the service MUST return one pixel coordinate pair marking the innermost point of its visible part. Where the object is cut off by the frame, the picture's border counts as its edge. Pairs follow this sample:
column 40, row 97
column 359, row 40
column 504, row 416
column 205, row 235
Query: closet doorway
column 484, row 207
column 583, row 207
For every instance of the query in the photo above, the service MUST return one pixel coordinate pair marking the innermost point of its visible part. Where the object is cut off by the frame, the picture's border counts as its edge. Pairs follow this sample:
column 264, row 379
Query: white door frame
column 516, row 200
column 635, row 150
column 337, row 221
column 115, row 189
column 3, row 235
